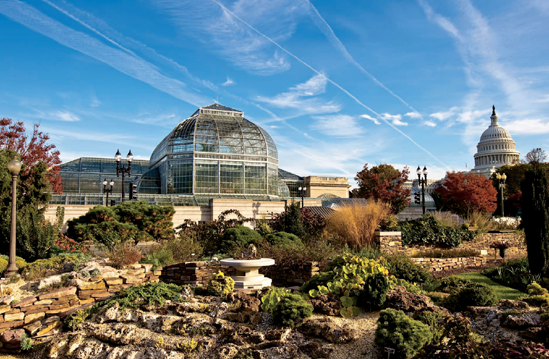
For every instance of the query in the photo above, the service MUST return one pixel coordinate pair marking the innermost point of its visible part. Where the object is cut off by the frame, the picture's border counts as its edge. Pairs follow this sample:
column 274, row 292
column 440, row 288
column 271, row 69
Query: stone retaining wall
column 193, row 273
column 440, row 264
column 41, row 315
column 284, row 276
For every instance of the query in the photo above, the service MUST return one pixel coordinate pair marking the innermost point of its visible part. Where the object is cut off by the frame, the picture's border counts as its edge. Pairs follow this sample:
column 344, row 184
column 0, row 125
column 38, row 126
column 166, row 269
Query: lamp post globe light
column 122, row 170
column 302, row 191
column 14, row 166
column 501, row 184
column 107, row 190
column 422, row 182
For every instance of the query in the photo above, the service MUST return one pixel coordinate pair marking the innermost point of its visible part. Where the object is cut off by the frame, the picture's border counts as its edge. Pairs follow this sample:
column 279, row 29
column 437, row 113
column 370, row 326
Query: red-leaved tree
column 384, row 182
column 464, row 193
column 32, row 150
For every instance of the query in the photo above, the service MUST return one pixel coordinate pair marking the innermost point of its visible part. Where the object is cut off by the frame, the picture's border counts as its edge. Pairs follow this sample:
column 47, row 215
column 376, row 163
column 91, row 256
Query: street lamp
column 106, row 189
column 501, row 184
column 14, row 166
column 123, row 170
column 422, row 182
column 302, row 191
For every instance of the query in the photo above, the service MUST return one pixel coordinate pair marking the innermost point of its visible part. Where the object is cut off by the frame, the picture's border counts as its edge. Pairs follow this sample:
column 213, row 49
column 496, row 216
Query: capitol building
column 495, row 149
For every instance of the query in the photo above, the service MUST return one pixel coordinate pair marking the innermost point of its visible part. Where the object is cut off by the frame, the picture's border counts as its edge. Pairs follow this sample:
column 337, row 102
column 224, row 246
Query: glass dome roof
column 217, row 129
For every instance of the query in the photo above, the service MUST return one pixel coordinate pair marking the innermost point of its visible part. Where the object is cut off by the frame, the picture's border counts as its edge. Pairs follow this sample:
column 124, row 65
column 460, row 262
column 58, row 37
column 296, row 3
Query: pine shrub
column 398, row 331
column 283, row 239
column 291, row 310
column 219, row 285
column 375, row 290
column 472, row 294
column 239, row 237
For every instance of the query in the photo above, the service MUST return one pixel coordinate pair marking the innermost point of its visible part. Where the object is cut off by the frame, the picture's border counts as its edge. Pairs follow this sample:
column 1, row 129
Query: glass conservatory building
column 215, row 153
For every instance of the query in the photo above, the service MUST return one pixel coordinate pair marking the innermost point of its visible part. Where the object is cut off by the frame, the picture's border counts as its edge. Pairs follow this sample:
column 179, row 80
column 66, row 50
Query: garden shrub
column 151, row 294
column 272, row 297
column 238, row 237
column 135, row 221
column 123, row 254
column 375, row 290
column 398, row 331
column 452, row 284
column 472, row 294
column 289, row 221
column 433, row 321
column 346, row 277
column 427, row 230
column 19, row 262
column 177, row 250
column 537, row 295
column 403, row 267
column 220, row 286
column 291, row 310
column 283, row 239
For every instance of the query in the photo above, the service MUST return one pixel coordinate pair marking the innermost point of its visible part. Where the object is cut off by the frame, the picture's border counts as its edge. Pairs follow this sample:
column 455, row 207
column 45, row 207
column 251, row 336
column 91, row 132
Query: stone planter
column 247, row 272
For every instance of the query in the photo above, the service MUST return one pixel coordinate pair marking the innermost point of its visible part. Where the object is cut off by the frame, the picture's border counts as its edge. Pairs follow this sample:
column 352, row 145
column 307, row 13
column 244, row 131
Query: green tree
column 35, row 235
column 535, row 219
column 384, row 182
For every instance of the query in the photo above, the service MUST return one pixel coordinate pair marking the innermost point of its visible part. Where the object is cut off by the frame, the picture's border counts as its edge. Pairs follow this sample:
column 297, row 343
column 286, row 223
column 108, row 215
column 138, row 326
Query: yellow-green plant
column 219, row 285
column 537, row 295
column 159, row 342
column 271, row 299
column 187, row 346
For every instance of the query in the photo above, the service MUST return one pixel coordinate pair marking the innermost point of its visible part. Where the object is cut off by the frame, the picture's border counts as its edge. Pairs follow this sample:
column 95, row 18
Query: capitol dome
column 214, row 151
column 495, row 149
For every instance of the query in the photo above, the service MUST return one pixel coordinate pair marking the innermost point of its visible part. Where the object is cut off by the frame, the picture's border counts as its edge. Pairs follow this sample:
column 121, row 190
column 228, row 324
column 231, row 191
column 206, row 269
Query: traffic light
column 133, row 191
column 417, row 198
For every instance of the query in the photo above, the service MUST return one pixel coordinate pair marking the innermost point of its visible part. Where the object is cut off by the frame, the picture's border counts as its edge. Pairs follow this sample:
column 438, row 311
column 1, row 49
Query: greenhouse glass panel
column 206, row 177
column 231, row 178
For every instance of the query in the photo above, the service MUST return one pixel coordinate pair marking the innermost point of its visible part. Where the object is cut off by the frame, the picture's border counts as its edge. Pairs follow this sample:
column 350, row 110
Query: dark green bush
column 283, row 239
column 136, row 221
column 239, row 237
column 402, row 267
column 291, row 310
column 452, row 284
column 472, row 294
column 434, row 321
column 375, row 290
column 428, row 230
column 398, row 331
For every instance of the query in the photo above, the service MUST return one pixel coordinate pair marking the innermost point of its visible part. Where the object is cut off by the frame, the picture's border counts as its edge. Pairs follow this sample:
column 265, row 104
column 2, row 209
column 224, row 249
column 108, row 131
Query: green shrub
column 433, row 321
column 177, row 250
column 149, row 294
column 135, row 221
column 26, row 342
column 398, row 331
column 3, row 265
column 472, row 294
column 238, row 237
column 283, row 239
column 19, row 262
column 452, row 284
column 272, row 297
column 291, row 310
column 219, row 285
column 537, row 295
column 514, row 273
column 375, row 290
column 403, row 267
column 428, row 230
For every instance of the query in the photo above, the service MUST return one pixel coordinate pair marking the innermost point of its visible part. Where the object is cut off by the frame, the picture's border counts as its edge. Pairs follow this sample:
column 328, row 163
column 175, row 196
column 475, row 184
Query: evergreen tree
column 535, row 219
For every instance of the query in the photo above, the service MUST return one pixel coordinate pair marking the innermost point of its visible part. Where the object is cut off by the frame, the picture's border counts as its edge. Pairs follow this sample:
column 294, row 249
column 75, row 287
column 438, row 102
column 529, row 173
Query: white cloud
column 429, row 123
column 94, row 102
column 441, row 116
column 528, row 126
column 64, row 116
column 301, row 98
column 395, row 119
column 338, row 125
column 164, row 120
column 368, row 117
column 413, row 115
column 229, row 82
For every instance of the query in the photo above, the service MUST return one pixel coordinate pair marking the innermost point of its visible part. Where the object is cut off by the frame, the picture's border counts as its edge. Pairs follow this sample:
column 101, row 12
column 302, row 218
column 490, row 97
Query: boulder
column 246, row 301
column 12, row 337
column 400, row 299
column 315, row 350
column 327, row 304
column 522, row 321
column 327, row 329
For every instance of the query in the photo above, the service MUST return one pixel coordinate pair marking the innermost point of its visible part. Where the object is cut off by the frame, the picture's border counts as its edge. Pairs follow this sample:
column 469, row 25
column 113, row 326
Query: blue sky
column 336, row 84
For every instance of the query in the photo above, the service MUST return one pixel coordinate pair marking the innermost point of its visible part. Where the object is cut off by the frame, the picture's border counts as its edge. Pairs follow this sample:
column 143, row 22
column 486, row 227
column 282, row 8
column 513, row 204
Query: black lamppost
column 123, row 170
column 106, row 189
column 302, row 191
column 14, row 166
column 422, row 182
column 501, row 184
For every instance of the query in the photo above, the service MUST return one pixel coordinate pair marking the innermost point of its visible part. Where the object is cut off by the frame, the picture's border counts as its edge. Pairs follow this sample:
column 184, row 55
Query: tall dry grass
column 355, row 224
column 448, row 219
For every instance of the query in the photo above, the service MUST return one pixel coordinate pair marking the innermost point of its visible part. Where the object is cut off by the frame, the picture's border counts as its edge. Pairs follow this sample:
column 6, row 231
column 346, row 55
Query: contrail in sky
column 334, row 40
column 332, row 82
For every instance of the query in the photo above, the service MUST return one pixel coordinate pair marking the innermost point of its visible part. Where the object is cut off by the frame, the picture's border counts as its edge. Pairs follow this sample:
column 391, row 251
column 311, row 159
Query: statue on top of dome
column 494, row 110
